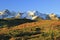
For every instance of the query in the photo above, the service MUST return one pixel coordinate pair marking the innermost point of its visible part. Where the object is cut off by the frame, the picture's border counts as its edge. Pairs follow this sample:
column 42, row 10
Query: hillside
column 13, row 22
column 39, row 30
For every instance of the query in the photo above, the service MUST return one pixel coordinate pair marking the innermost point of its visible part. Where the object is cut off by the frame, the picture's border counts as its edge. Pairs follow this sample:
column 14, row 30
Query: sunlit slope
column 44, row 24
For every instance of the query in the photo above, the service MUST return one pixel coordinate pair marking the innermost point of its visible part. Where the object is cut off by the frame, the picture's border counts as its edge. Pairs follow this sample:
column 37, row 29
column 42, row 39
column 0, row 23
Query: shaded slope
column 14, row 22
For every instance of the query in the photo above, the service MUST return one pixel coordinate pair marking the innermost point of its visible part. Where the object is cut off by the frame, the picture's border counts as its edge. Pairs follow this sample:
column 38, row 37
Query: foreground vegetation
column 39, row 30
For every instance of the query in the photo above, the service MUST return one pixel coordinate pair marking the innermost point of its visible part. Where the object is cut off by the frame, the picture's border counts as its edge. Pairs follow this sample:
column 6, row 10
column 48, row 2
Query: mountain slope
column 40, row 30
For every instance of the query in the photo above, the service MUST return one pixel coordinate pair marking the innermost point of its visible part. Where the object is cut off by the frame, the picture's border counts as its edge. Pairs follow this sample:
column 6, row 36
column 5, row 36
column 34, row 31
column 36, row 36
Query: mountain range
column 26, row 15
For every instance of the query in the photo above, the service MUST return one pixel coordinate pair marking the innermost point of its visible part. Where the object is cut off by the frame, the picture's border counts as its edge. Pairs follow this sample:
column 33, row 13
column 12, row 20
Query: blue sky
column 43, row 6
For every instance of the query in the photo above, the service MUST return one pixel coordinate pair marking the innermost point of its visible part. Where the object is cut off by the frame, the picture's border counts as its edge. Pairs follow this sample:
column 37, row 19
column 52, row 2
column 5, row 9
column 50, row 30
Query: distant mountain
column 53, row 16
column 19, row 15
column 6, row 14
column 33, row 15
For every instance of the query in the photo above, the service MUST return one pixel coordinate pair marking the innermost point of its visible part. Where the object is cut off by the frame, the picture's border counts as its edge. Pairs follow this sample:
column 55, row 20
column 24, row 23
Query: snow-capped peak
column 33, row 14
column 28, row 15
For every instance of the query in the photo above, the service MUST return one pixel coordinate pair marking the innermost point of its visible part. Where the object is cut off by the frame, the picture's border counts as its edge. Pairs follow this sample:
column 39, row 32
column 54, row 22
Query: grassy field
column 30, row 30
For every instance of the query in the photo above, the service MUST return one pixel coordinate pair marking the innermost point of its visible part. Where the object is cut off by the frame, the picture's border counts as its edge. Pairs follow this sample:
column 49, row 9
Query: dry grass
column 52, row 27
column 47, row 24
